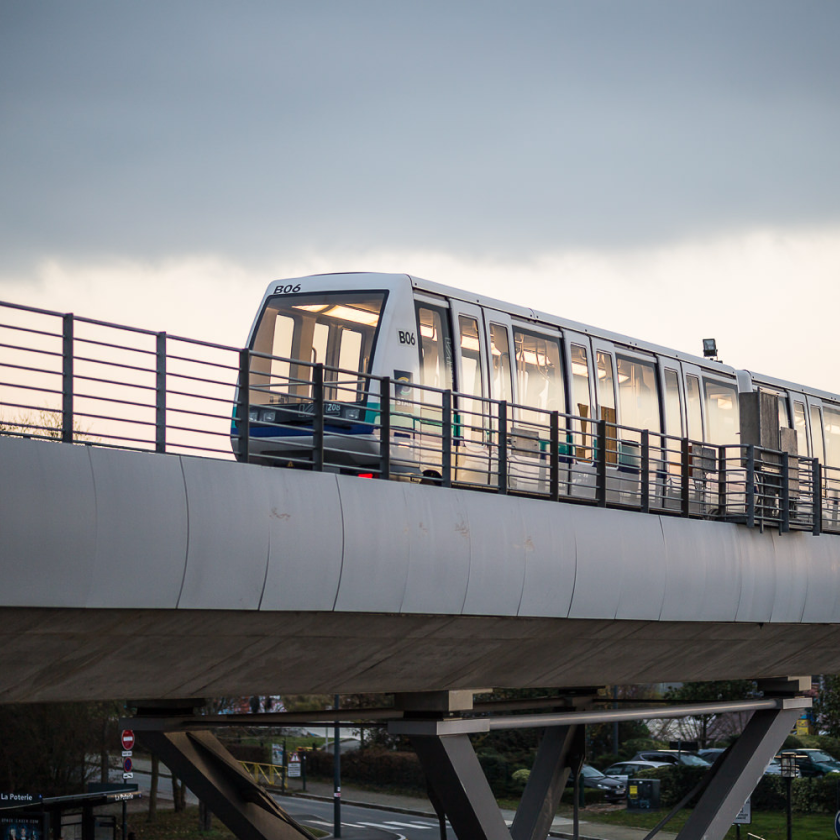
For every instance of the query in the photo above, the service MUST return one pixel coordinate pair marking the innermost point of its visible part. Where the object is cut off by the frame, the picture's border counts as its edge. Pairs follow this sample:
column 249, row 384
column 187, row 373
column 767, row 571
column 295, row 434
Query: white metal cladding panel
column 439, row 552
column 600, row 562
column 687, row 573
column 47, row 523
column 227, row 557
column 791, row 567
column 141, row 530
column 497, row 554
column 822, row 602
column 704, row 578
column 375, row 564
column 306, row 540
column 758, row 575
column 645, row 569
column 550, row 559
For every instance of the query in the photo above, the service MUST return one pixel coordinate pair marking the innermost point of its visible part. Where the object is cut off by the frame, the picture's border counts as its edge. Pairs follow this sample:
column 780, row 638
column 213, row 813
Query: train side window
column 638, row 396
column 435, row 347
column 539, row 374
column 673, row 399
column 695, row 411
column 721, row 411
column 501, row 387
column 800, row 423
column 832, row 436
column 784, row 420
column 580, row 397
column 817, row 434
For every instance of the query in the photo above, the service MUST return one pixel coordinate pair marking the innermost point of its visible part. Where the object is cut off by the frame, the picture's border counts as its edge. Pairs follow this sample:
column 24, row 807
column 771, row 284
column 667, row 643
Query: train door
column 471, row 455
column 539, row 390
column 436, row 373
column 666, row 490
column 699, row 455
column 581, row 428
column 523, row 444
column 606, row 399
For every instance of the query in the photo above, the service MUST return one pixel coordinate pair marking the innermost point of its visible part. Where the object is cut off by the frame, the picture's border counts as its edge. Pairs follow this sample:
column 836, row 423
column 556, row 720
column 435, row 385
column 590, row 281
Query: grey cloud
column 256, row 129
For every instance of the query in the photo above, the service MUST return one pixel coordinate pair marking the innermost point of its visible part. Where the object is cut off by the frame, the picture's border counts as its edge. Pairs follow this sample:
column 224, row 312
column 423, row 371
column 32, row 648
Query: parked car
column 671, row 757
column 812, row 762
column 624, row 770
column 711, row 753
column 613, row 789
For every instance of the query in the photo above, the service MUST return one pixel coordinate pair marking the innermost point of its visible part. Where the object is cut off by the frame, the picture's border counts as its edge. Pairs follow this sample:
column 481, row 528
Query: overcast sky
column 669, row 170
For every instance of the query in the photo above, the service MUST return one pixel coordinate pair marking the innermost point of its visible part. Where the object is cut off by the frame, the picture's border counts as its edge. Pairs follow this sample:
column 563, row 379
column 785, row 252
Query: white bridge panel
column 141, row 530
column 439, row 552
column 47, row 523
column 822, row 601
column 376, row 545
column 496, row 577
column 227, row 558
column 791, row 572
column 303, row 518
column 550, row 559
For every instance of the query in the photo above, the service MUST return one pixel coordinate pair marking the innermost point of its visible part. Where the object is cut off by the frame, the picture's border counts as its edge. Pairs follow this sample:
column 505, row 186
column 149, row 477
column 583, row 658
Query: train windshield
column 298, row 331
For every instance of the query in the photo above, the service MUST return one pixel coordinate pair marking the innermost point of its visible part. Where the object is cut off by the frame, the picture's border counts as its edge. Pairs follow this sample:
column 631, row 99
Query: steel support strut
column 560, row 755
column 741, row 771
column 214, row 775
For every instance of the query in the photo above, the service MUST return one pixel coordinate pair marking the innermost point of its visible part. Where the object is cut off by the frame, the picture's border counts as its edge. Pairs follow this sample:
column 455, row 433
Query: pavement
column 420, row 806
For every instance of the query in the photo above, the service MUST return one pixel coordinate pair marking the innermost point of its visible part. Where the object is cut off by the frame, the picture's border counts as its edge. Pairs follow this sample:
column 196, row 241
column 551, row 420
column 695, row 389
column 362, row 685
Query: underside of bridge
column 88, row 654
column 439, row 725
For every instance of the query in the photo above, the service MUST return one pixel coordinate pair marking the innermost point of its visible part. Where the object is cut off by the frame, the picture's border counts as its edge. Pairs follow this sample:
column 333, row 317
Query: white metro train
column 487, row 352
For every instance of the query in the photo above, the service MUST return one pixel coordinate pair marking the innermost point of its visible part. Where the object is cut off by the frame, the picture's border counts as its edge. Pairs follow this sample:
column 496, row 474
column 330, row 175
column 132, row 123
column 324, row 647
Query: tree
column 827, row 706
column 700, row 727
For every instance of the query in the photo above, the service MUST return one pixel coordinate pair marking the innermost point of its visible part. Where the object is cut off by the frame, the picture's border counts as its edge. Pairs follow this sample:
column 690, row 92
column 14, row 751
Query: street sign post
column 294, row 766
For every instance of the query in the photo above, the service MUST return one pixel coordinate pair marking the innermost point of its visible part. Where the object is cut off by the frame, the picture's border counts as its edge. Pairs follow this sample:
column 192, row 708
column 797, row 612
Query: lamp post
column 789, row 772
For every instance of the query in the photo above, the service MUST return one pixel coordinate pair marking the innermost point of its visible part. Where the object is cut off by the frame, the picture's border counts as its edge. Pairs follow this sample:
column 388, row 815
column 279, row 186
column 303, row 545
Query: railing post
column 817, row 496
column 318, row 417
column 554, row 457
column 446, row 440
column 784, row 525
column 244, row 407
column 722, row 501
column 645, row 472
column 751, row 486
column 160, row 392
column 601, row 465
column 502, row 439
column 685, row 477
column 385, row 427
column 67, row 380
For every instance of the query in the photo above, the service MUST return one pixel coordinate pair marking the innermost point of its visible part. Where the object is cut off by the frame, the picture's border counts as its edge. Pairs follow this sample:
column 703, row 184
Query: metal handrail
column 418, row 432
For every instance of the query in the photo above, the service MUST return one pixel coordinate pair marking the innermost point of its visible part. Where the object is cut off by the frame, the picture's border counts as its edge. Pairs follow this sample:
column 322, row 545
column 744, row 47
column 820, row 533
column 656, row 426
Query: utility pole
column 336, row 775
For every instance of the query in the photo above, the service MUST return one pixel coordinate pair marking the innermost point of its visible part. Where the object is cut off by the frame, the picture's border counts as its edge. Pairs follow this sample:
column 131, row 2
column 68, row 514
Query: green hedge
column 375, row 767
column 808, row 796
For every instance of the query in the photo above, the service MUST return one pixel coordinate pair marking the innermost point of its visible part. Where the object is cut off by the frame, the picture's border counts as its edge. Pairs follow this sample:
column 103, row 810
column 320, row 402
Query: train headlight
column 352, row 413
column 269, row 416
column 254, row 414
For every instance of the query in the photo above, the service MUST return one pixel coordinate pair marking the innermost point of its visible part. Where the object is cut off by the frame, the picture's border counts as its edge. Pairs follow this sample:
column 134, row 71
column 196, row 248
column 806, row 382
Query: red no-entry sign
column 127, row 739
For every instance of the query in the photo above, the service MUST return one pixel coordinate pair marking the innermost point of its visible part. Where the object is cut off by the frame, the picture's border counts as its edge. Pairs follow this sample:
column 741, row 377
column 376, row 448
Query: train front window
column 336, row 329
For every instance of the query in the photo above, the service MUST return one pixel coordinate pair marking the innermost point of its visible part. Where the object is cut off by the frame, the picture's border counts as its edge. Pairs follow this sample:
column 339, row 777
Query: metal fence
column 83, row 381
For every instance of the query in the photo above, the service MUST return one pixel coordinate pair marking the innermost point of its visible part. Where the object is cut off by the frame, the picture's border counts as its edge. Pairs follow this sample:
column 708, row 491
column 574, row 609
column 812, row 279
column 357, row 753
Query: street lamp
column 789, row 771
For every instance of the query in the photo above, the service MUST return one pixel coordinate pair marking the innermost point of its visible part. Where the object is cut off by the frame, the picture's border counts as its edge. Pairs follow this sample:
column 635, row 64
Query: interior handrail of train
column 390, row 376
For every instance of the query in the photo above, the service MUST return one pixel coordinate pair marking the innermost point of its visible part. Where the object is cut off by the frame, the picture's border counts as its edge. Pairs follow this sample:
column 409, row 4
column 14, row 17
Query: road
column 358, row 822
column 362, row 823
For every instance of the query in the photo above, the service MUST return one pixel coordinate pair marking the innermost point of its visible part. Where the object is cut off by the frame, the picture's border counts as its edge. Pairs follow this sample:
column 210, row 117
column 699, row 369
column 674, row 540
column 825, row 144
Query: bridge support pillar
column 740, row 771
column 460, row 788
column 200, row 760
